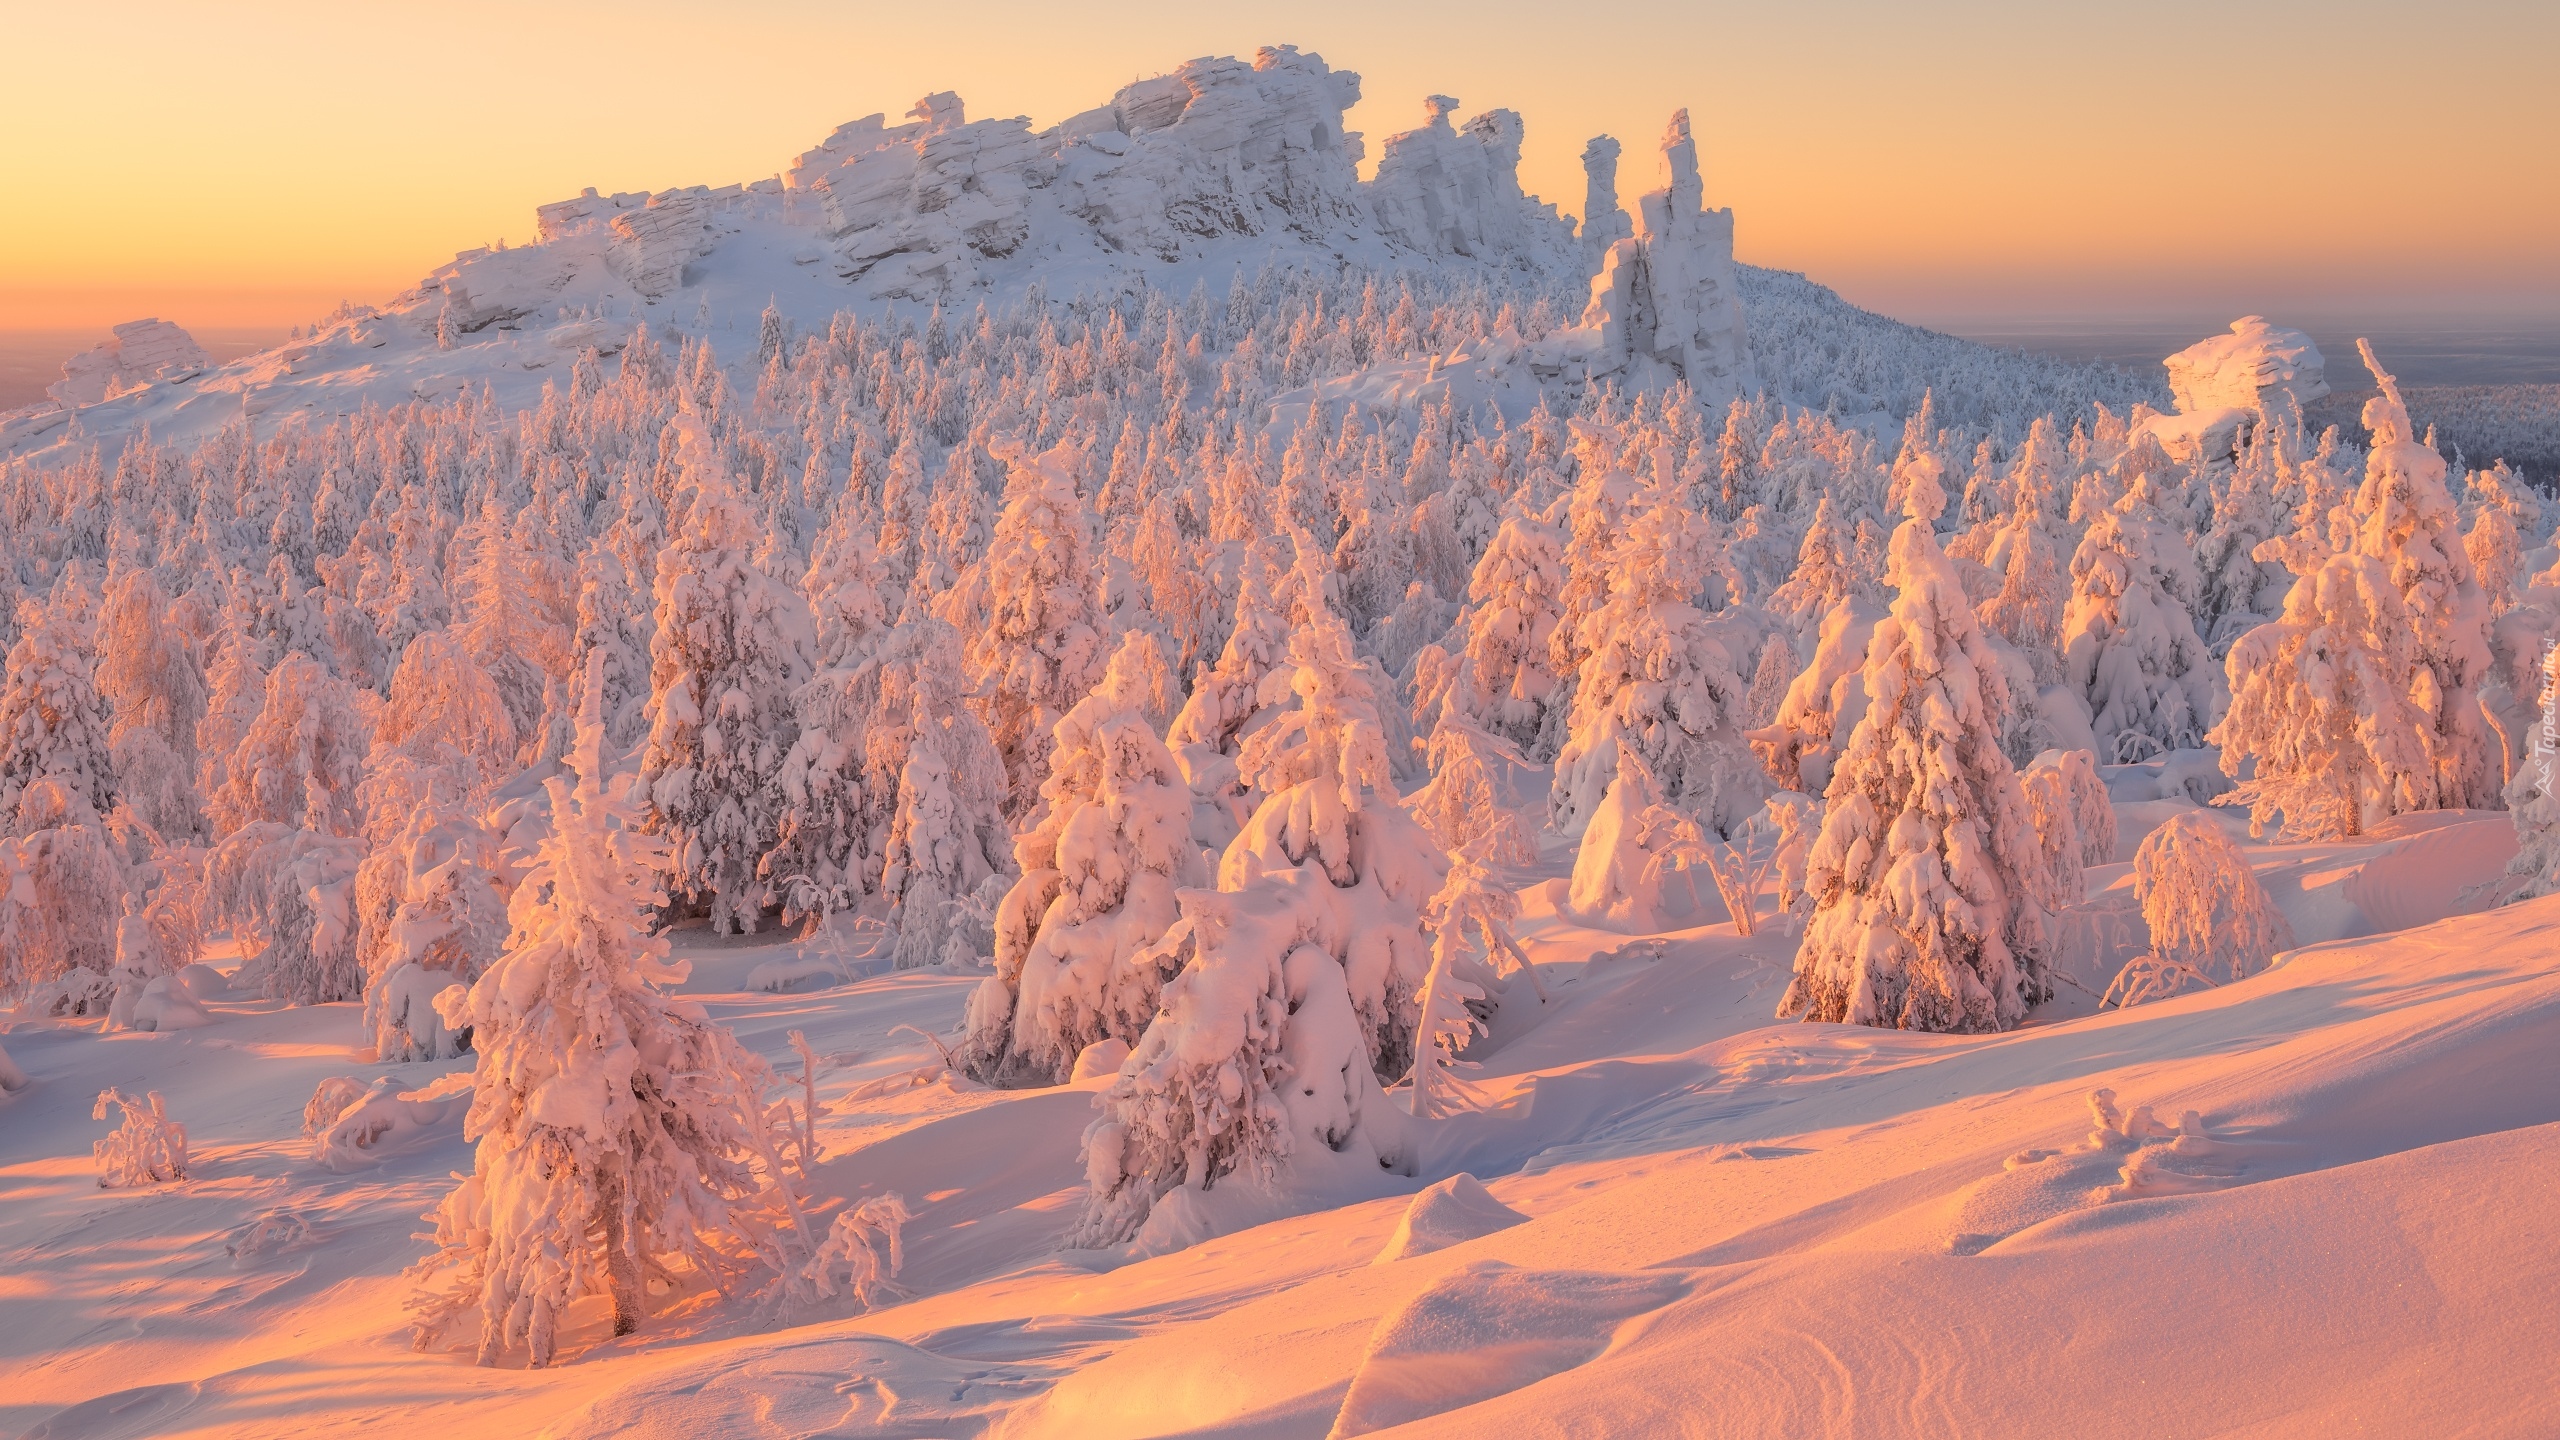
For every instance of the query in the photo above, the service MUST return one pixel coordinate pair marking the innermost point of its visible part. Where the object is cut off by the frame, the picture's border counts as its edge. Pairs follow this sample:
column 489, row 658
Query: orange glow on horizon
column 248, row 168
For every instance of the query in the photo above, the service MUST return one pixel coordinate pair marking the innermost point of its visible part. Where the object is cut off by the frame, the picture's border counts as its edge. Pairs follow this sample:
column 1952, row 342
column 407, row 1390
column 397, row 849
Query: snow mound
column 2126, row 1156
column 842, row 1387
column 1488, row 1330
column 1452, row 1212
column 388, row 1117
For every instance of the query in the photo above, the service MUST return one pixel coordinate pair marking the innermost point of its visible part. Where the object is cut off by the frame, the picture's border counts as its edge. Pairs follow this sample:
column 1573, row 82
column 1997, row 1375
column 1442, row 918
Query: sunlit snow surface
column 1734, row 1227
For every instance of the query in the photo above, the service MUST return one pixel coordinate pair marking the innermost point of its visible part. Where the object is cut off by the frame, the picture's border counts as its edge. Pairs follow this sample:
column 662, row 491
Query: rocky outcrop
column 651, row 244
column 2247, row 369
column 1178, row 167
column 1456, row 191
column 1666, row 303
column 1604, row 222
column 2224, row 386
column 139, row 353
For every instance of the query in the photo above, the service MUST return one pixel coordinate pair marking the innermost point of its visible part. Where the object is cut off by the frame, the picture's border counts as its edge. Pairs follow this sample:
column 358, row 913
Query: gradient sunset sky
column 252, row 164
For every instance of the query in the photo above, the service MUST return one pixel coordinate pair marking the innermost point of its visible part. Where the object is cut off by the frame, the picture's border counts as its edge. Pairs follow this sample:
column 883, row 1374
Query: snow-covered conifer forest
column 1106, row 781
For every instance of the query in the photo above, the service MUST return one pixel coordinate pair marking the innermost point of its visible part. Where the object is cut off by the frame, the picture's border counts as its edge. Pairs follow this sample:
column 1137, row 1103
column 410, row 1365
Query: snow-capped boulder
column 2247, row 369
column 140, row 352
column 2225, row 385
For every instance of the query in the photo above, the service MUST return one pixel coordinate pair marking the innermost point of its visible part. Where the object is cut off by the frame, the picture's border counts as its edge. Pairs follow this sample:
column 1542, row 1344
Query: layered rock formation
column 1457, row 191
column 1666, row 303
column 139, row 353
column 2247, row 369
column 2225, row 385
column 1217, row 155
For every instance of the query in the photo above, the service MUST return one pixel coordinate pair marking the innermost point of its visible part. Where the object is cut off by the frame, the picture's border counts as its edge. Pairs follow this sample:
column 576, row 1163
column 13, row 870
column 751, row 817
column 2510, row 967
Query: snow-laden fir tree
column 1041, row 647
column 733, row 648
column 448, row 922
column 151, row 673
column 2075, row 825
column 1098, row 873
column 623, row 1138
column 1823, row 702
column 1298, row 980
column 1826, row 572
column 2241, row 591
column 1923, row 875
column 2202, row 900
column 2130, row 648
column 1462, row 806
column 1657, row 679
column 1505, row 683
column 61, row 884
column 1226, row 698
column 53, row 723
column 289, row 818
column 2506, row 511
column 2361, row 701
column 2027, row 610
column 945, row 842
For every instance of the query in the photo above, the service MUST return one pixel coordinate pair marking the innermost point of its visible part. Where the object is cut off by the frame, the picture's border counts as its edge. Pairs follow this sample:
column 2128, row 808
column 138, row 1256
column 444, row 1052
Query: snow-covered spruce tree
column 733, row 648
column 843, row 783
column 1924, row 915
column 1041, row 648
column 53, row 722
column 448, row 922
column 2203, row 901
column 1595, row 518
column 2360, row 702
column 614, row 622
column 1823, row 702
column 945, row 840
column 61, row 884
column 1299, row 979
column 1505, row 684
column 2075, row 825
column 1226, row 698
column 1098, row 873
column 2507, row 517
column 2130, row 648
column 150, row 672
column 1656, row 679
column 1461, row 807
column 288, row 816
column 1826, row 572
column 2240, row 590
column 623, row 1137
column 2028, row 609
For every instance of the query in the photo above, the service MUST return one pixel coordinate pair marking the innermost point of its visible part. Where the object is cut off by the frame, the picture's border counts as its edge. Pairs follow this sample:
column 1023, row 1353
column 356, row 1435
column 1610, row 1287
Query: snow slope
column 1799, row 1229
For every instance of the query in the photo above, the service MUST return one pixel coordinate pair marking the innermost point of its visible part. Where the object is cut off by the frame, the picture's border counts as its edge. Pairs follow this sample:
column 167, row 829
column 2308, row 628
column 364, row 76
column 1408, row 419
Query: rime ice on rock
column 652, row 243
column 141, row 352
column 1604, row 223
column 1174, row 168
column 2247, row 369
column 1668, row 299
column 2225, row 385
column 1457, row 191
